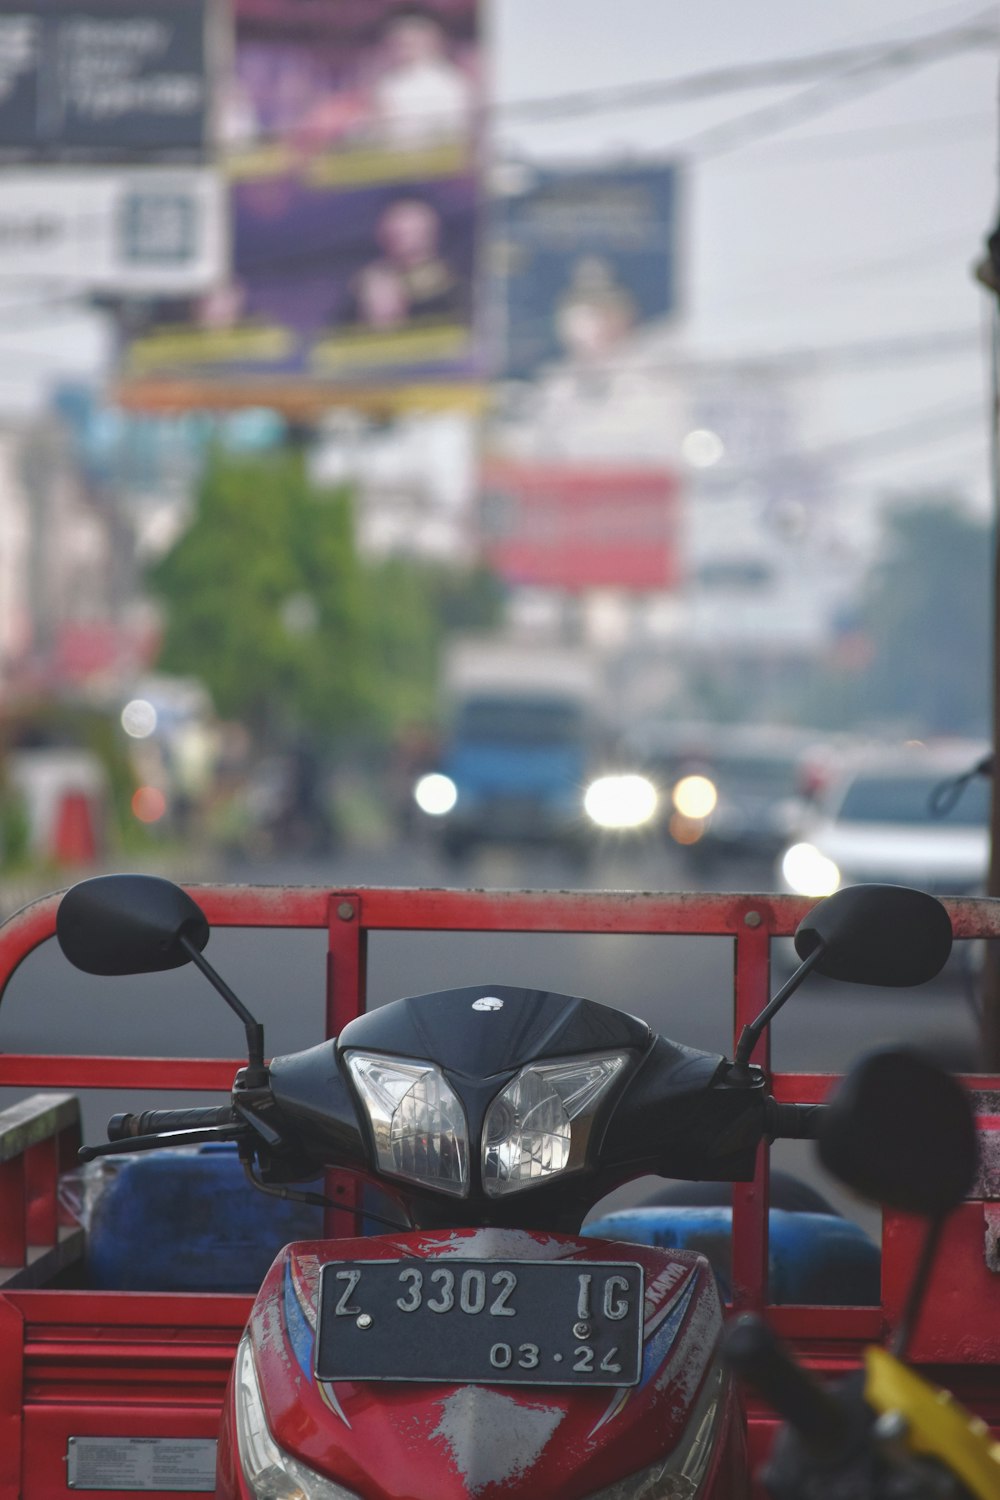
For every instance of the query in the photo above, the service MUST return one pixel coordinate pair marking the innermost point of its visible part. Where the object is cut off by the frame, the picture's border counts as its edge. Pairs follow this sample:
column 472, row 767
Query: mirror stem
column 750, row 1035
column 257, row 1072
column 918, row 1286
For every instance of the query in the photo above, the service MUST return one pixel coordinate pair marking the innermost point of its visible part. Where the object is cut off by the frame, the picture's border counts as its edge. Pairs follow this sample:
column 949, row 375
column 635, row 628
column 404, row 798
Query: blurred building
column 764, row 558
column 59, row 620
column 413, row 480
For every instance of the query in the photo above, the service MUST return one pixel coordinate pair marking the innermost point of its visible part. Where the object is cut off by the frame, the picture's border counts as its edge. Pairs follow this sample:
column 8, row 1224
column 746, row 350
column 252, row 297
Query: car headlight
column 540, row 1123
column 417, row 1121
column 270, row 1472
column 435, row 794
column 695, row 797
column 620, row 801
column 809, row 872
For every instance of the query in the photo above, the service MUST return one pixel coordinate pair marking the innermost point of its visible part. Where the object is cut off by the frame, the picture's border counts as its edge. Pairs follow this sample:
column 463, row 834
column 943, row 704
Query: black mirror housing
column 877, row 934
column 901, row 1131
column 128, row 924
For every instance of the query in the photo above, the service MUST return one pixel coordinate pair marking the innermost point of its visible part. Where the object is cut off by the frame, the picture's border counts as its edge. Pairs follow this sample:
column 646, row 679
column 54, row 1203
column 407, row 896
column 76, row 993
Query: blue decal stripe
column 300, row 1334
column 658, row 1346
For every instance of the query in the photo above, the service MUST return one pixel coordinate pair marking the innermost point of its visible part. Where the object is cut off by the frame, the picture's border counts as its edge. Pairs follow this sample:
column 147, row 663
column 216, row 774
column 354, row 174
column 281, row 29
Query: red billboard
column 580, row 526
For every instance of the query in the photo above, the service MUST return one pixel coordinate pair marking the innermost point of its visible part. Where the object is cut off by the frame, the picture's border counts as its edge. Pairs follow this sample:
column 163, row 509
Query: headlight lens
column 540, row 1123
column 435, row 794
column 270, row 1472
column 620, row 801
column 808, row 872
column 417, row 1121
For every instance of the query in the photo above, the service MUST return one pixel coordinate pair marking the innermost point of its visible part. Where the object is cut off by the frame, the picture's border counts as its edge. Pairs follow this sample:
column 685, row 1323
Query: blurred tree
column 268, row 601
column 926, row 613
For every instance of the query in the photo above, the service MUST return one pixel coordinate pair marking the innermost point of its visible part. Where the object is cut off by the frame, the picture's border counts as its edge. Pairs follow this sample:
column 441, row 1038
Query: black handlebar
column 751, row 1349
column 155, row 1121
column 793, row 1122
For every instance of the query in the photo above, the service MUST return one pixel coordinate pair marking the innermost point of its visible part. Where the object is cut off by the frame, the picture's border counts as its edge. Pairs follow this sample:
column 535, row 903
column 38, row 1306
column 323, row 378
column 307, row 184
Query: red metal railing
column 750, row 921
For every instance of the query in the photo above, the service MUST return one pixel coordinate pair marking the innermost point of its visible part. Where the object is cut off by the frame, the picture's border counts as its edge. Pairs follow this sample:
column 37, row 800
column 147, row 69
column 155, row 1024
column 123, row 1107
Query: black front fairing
column 688, row 1114
column 465, row 1032
column 675, row 1111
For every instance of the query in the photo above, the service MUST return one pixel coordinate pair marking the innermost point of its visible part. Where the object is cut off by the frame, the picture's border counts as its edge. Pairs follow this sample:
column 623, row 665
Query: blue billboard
column 582, row 259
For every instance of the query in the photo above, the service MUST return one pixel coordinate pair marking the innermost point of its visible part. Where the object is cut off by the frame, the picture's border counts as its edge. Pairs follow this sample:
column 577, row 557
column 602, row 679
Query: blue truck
column 522, row 746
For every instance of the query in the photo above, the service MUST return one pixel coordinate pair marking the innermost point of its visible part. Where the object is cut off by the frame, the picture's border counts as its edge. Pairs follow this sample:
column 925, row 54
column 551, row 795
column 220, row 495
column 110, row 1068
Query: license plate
column 481, row 1322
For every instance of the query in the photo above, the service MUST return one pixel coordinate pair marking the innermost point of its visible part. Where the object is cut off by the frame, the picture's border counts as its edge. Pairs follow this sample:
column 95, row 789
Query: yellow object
column 938, row 1425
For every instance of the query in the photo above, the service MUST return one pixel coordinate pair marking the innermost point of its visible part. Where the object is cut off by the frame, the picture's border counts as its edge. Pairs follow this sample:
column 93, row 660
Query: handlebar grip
column 154, row 1121
column 794, row 1122
column 751, row 1349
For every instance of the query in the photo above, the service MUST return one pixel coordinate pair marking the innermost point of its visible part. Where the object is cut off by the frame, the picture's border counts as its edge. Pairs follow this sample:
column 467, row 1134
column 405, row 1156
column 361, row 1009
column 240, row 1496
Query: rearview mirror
column 129, row 924
column 877, row 934
column 901, row 1131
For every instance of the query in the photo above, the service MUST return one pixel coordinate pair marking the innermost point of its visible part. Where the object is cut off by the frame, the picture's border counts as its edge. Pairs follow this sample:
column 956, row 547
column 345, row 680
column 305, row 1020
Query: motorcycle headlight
column 417, row 1121
column 540, row 1123
column 270, row 1472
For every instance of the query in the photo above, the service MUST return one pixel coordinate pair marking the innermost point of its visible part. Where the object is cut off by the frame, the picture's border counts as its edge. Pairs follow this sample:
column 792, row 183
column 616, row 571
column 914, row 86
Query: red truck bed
column 127, row 1366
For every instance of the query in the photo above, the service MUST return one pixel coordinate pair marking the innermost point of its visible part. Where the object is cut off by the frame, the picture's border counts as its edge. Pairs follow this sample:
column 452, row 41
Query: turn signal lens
column 270, row 1472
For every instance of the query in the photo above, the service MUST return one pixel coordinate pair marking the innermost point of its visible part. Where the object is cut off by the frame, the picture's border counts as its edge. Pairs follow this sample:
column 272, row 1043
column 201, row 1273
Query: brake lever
column 236, row 1132
column 267, row 1133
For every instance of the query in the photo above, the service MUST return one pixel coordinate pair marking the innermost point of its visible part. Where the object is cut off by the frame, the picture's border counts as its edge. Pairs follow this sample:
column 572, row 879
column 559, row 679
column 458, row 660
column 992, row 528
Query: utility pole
column 988, row 272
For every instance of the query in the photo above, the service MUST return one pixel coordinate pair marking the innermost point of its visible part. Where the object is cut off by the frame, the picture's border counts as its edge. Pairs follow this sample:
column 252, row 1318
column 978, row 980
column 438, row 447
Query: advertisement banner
column 354, row 92
column 582, row 260
column 573, row 526
column 351, row 138
column 118, row 231
column 101, row 81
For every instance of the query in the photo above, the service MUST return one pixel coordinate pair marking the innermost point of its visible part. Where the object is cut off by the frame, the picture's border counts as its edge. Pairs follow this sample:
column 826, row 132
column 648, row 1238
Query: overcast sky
column 859, row 223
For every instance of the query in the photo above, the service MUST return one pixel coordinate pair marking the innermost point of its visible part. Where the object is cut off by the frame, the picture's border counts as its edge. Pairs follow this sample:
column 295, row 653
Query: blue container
column 189, row 1221
column 818, row 1259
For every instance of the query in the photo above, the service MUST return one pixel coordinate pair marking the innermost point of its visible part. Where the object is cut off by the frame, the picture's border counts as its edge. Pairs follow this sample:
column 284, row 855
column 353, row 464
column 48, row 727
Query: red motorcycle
column 481, row 1346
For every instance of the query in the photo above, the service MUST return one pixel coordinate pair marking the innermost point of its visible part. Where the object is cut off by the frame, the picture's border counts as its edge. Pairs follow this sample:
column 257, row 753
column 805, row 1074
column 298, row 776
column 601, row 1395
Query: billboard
column 354, row 91
column 351, row 137
column 581, row 260
column 581, row 526
column 101, row 81
column 116, row 230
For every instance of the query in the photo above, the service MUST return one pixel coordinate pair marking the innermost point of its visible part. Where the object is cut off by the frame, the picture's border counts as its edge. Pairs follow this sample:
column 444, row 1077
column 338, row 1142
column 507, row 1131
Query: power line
column 900, row 54
column 894, row 349
column 927, row 252
column 933, row 425
column 877, row 140
column 807, row 275
column 860, row 76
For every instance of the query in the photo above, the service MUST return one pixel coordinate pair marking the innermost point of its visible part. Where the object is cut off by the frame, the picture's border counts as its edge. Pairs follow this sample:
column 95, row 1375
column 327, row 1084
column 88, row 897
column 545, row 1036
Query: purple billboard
column 351, row 134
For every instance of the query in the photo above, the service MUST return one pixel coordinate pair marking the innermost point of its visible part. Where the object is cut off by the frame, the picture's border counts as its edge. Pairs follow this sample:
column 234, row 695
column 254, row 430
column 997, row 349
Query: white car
column 901, row 819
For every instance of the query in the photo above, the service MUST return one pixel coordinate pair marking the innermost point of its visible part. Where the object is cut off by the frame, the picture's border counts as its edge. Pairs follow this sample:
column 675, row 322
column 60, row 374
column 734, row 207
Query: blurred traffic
column 423, row 448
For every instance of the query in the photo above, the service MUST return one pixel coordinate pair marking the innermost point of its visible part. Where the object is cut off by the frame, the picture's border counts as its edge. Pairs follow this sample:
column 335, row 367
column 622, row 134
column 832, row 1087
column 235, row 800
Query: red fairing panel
column 383, row 1441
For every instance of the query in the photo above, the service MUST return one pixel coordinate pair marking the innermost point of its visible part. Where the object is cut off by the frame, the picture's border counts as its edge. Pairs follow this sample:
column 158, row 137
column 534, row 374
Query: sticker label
column 154, row 1463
